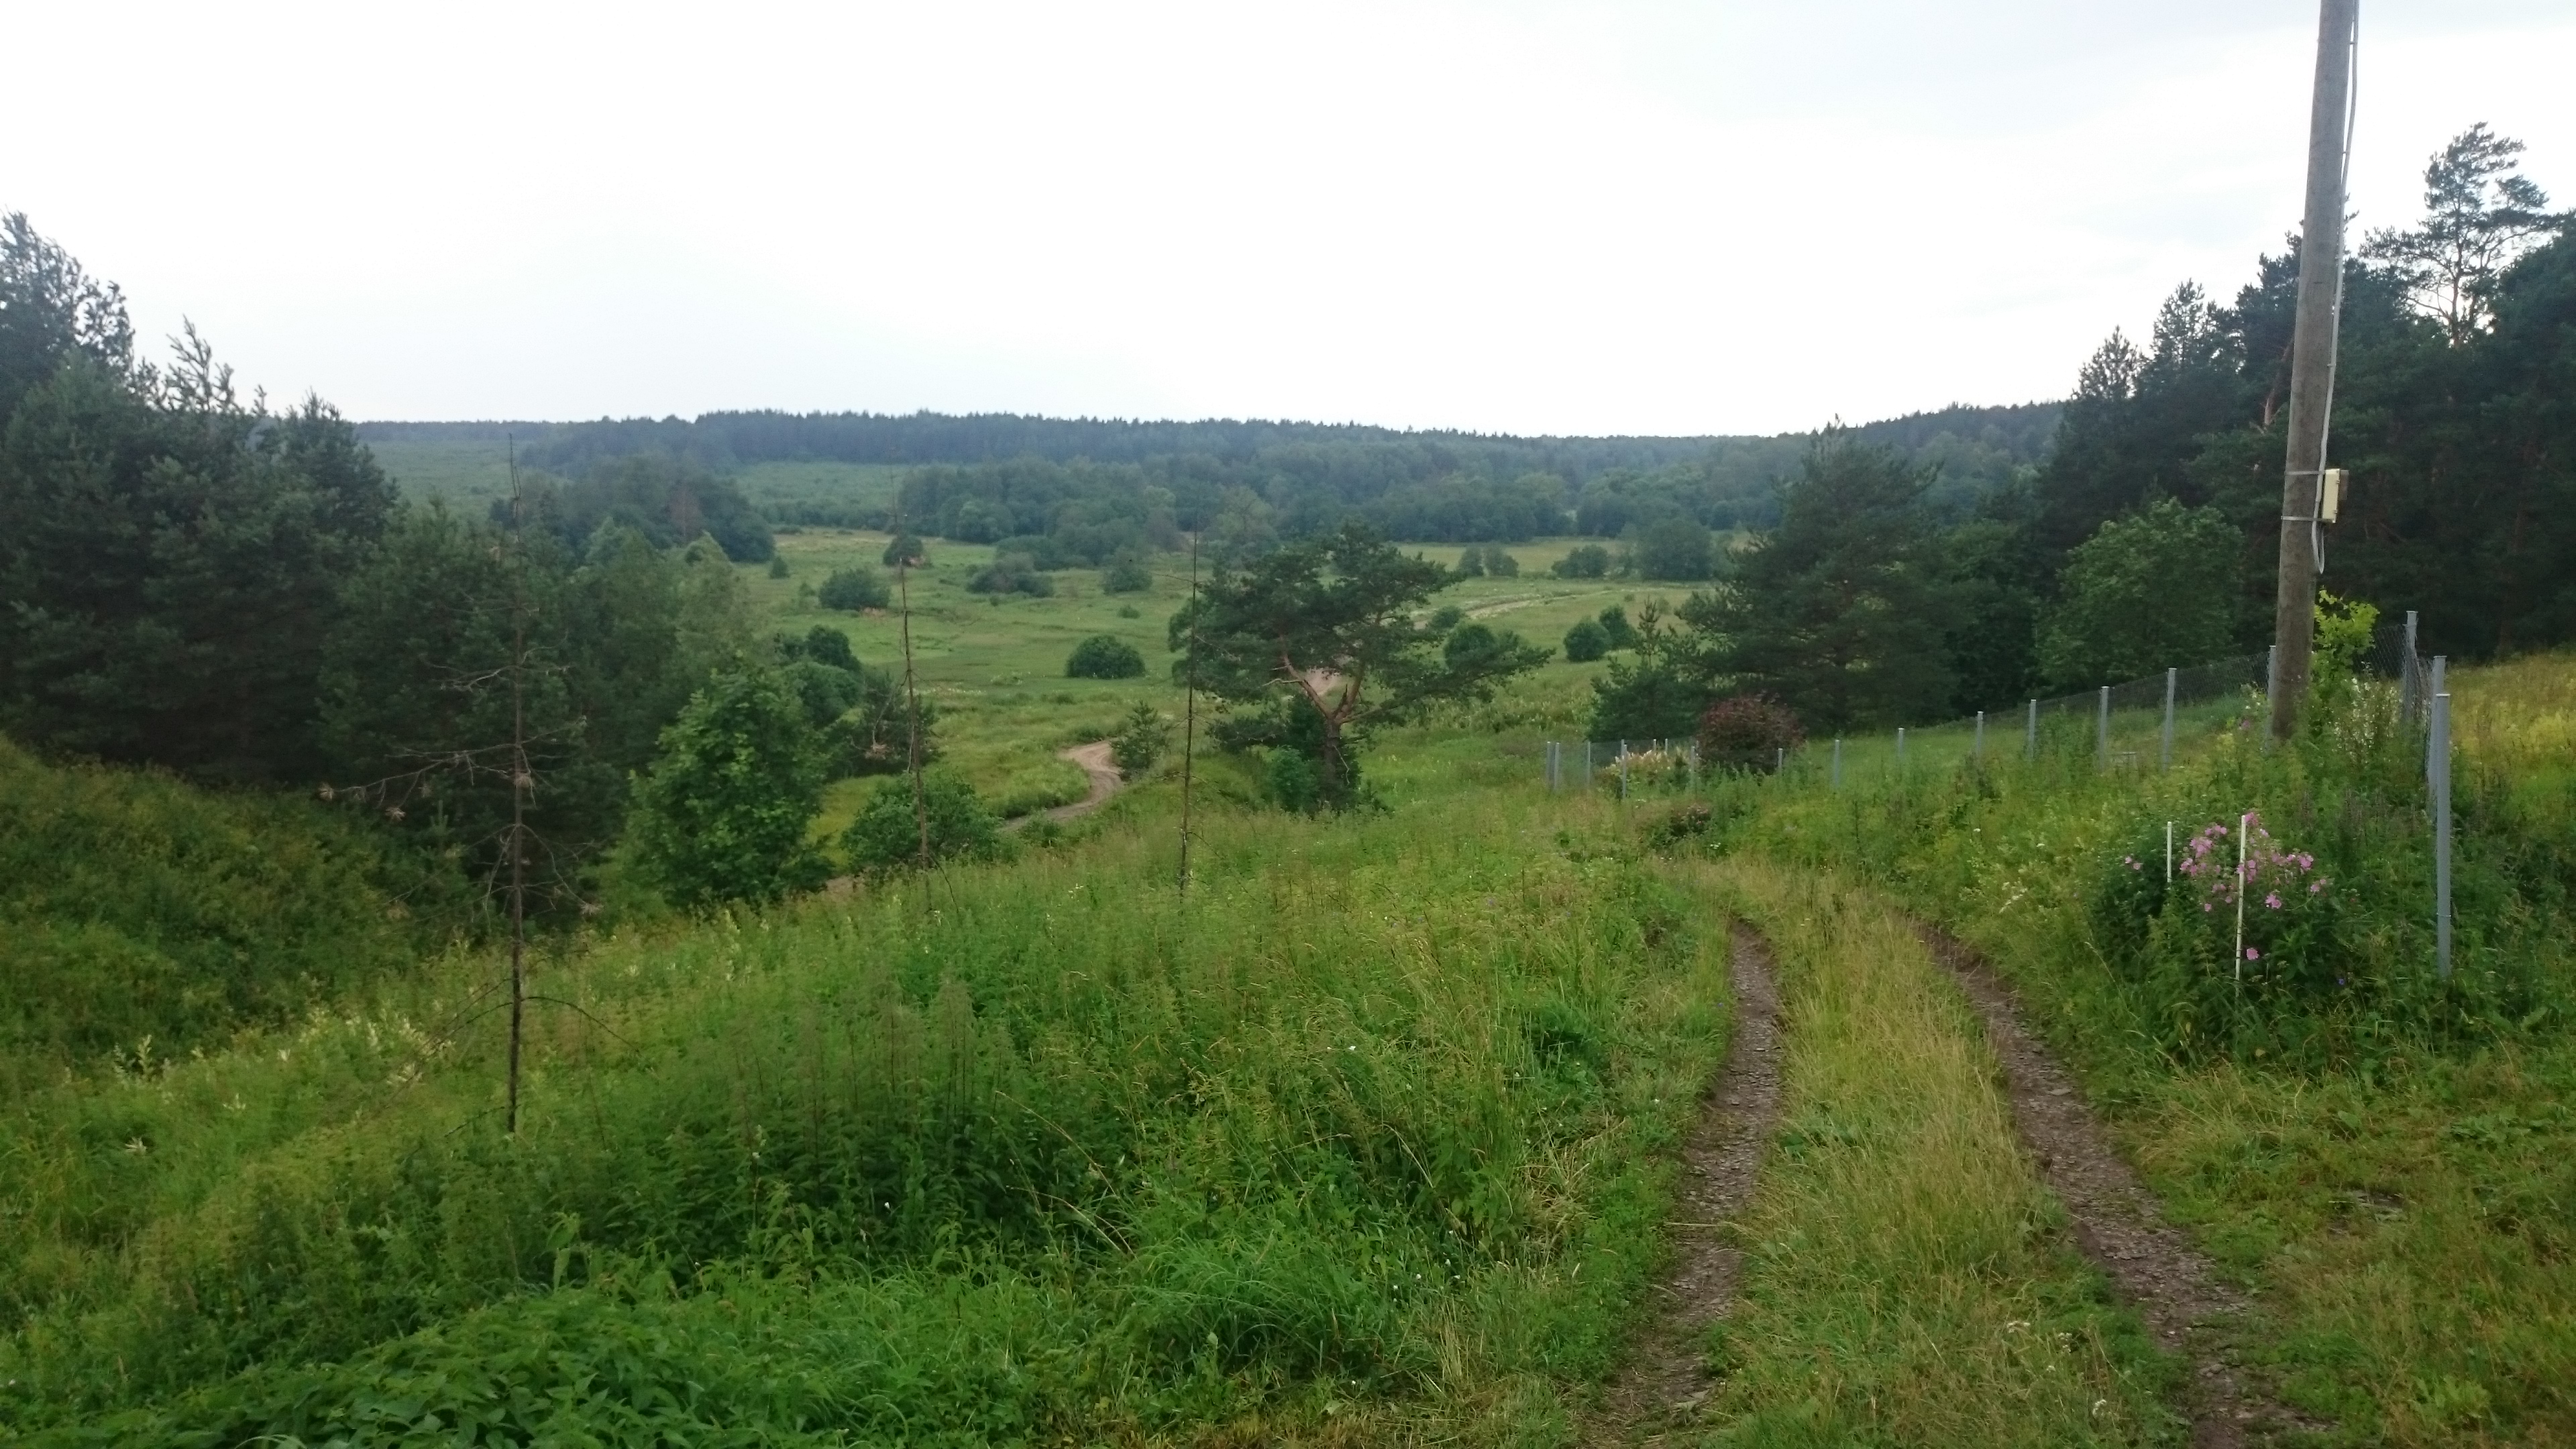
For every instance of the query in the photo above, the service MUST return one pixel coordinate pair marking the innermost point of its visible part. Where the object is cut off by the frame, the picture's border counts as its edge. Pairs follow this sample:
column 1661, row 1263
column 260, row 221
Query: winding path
column 1105, row 782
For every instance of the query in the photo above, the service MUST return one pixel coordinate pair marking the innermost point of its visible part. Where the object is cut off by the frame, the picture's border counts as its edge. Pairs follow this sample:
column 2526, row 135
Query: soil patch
column 2118, row 1223
column 1666, row 1379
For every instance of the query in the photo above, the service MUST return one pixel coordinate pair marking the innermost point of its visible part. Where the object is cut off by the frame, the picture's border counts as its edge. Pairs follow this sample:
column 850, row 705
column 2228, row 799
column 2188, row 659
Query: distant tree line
column 1093, row 484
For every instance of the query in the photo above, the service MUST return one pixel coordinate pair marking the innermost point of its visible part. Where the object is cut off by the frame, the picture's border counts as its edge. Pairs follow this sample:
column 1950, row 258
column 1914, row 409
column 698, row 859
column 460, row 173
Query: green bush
column 905, row 550
column 1586, row 641
column 778, row 566
column 722, row 816
column 887, row 833
column 853, row 589
column 1011, row 573
column 1616, row 628
column 1104, row 656
column 1141, row 739
column 1126, row 574
column 1586, row 561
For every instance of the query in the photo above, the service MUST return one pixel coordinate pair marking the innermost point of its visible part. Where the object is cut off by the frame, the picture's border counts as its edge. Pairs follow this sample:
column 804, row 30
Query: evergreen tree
column 1836, row 613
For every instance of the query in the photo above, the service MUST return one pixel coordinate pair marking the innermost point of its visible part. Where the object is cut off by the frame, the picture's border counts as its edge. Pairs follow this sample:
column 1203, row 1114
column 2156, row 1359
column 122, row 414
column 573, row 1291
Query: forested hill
column 1977, row 438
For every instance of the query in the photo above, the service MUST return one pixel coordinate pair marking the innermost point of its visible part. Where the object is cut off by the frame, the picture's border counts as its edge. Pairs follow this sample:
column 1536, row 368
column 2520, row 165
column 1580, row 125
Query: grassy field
column 994, row 664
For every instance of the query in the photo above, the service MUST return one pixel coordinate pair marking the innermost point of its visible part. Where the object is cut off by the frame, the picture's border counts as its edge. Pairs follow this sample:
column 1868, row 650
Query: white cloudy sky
column 1725, row 216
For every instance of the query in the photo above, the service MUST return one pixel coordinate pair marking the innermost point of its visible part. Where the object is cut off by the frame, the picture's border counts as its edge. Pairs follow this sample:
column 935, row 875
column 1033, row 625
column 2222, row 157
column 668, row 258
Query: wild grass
column 139, row 914
column 1908, row 1280
column 2387, row 1157
column 1359, row 1143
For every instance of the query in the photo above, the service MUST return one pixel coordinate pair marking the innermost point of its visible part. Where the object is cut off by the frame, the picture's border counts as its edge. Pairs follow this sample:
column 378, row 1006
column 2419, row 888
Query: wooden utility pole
column 2312, row 358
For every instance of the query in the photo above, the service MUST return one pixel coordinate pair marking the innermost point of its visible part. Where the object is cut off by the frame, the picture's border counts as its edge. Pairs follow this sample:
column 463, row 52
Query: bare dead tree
column 911, row 696
column 520, row 783
column 1189, row 714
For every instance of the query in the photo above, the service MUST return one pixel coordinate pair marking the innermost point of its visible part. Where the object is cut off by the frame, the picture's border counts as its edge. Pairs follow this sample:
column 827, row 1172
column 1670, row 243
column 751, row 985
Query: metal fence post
column 2407, row 682
column 1623, row 769
column 1900, row 747
column 2441, row 666
column 1555, row 766
column 1779, row 759
column 1838, row 762
column 2171, row 677
column 2102, row 732
column 2442, row 833
column 1587, row 765
column 2030, row 734
column 1978, row 751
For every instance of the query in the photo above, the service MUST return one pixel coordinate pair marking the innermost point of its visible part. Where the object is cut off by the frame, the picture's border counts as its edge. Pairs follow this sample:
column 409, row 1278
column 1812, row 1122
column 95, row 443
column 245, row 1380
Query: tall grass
column 2389, row 1155
column 135, row 907
column 1362, row 1133
column 1908, row 1280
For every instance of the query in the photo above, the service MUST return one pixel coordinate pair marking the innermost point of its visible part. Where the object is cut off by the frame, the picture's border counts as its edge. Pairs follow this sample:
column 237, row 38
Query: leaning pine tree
column 1328, row 632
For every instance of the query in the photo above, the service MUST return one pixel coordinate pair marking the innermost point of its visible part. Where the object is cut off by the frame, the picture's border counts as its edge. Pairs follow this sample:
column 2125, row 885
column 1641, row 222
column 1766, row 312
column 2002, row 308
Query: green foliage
column 1616, row 628
column 1329, row 626
column 1500, row 564
column 168, row 560
column 778, row 566
column 51, row 312
column 1655, row 694
column 1143, row 735
column 1586, row 641
column 1011, row 573
column 722, row 817
column 2344, row 632
column 135, row 909
column 2149, row 591
column 906, row 550
column 669, row 498
column 887, row 835
column 1471, row 564
column 1678, row 549
column 854, row 589
column 1835, row 614
column 1584, row 561
column 1104, row 656
column 1031, row 1152
column 416, row 709
column 1127, row 574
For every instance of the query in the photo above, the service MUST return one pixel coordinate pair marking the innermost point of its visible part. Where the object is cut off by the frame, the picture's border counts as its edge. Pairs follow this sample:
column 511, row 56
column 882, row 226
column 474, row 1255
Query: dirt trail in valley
column 1105, row 782
column 2118, row 1223
column 1665, row 1382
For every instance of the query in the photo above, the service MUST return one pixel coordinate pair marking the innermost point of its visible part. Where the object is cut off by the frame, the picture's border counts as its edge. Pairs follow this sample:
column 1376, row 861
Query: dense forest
column 988, row 477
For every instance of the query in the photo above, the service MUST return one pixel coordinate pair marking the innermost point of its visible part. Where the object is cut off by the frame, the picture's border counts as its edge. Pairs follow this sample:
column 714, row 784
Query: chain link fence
column 2127, row 726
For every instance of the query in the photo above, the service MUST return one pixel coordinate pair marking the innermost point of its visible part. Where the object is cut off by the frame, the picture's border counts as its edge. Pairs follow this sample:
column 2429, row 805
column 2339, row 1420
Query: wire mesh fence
column 2130, row 725
column 2127, row 726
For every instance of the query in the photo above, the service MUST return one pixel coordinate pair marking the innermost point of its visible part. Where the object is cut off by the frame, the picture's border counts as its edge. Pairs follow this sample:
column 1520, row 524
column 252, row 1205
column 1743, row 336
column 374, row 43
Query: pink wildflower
column 2253, row 955
column 2273, row 900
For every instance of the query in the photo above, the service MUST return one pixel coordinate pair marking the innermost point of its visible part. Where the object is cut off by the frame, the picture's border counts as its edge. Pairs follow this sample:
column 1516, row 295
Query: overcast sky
column 1728, row 216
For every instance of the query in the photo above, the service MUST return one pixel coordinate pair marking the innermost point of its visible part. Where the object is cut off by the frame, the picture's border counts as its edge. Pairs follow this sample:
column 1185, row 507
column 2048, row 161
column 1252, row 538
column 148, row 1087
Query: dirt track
column 1105, row 782
column 2118, row 1223
column 1665, row 1380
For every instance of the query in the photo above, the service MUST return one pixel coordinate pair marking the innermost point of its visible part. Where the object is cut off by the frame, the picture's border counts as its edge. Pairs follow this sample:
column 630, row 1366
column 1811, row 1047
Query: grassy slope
column 1358, row 1145
column 141, row 915
column 2409, row 1215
